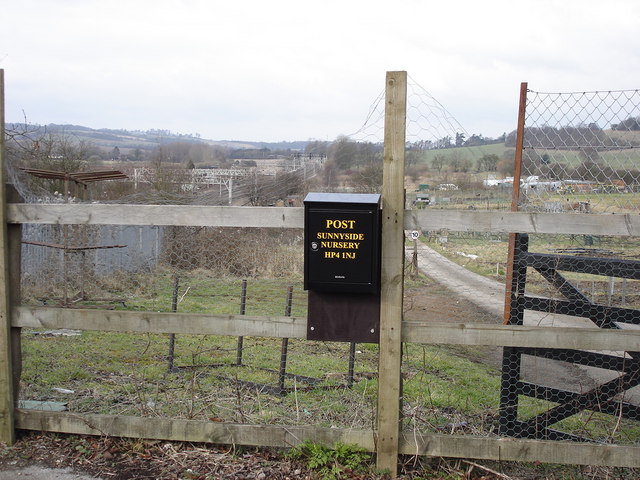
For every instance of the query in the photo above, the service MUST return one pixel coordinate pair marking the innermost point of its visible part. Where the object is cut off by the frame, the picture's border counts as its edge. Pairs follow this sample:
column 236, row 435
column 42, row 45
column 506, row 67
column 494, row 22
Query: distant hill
column 148, row 139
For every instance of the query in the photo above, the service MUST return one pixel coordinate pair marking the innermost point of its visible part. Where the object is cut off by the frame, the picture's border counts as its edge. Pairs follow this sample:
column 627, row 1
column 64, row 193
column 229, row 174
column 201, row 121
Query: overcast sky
column 294, row 70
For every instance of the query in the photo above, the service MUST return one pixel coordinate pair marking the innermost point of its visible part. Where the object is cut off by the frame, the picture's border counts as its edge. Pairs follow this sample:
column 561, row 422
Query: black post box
column 342, row 237
column 342, row 242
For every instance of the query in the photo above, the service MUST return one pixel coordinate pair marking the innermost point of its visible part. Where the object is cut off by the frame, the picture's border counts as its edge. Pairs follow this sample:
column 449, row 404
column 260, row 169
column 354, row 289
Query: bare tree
column 369, row 179
column 343, row 152
column 438, row 162
column 488, row 163
column 33, row 147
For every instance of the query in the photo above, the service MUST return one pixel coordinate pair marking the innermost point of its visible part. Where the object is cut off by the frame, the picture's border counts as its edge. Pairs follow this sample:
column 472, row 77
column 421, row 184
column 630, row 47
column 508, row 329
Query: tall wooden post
column 6, row 371
column 14, row 265
column 389, row 383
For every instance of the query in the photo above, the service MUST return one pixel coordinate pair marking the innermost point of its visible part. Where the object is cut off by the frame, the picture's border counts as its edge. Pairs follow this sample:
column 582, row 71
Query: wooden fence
column 295, row 327
column 385, row 439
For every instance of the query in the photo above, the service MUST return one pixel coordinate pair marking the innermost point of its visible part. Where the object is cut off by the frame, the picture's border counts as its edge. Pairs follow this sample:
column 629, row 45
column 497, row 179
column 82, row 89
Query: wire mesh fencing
column 543, row 393
column 453, row 277
column 224, row 271
column 580, row 156
column 581, row 152
column 221, row 271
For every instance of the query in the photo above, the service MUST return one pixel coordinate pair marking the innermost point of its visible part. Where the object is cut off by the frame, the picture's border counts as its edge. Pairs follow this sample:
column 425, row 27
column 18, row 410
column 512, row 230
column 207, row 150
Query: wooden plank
column 295, row 327
column 6, row 365
column 14, row 246
column 517, row 450
column 436, row 445
column 293, row 217
column 160, row 322
column 389, row 378
column 161, row 215
column 523, row 222
column 521, row 336
column 188, row 430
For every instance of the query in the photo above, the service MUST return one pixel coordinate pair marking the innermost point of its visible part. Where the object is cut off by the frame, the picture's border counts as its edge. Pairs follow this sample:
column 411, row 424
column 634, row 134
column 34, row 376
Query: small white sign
column 415, row 235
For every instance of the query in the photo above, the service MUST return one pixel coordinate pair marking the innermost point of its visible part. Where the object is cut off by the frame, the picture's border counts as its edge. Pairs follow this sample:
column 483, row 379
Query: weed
column 332, row 464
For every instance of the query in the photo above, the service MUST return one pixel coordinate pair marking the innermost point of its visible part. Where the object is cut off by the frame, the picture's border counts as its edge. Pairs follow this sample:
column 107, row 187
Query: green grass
column 442, row 385
column 472, row 153
column 616, row 159
column 122, row 373
column 203, row 294
column 127, row 374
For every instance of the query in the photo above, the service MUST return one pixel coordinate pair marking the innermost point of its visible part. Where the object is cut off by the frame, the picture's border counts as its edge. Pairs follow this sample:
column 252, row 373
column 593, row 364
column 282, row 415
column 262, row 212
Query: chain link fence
column 580, row 156
column 581, row 152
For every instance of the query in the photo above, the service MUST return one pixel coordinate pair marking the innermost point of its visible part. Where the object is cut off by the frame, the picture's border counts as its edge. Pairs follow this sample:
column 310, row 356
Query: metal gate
column 608, row 396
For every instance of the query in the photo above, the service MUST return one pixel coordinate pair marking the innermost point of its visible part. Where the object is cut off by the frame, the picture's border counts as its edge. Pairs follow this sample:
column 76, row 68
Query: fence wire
column 580, row 156
column 228, row 271
column 581, row 152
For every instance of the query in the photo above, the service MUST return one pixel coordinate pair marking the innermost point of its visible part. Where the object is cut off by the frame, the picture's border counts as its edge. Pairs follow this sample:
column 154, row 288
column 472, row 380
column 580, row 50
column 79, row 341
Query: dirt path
column 488, row 295
column 35, row 472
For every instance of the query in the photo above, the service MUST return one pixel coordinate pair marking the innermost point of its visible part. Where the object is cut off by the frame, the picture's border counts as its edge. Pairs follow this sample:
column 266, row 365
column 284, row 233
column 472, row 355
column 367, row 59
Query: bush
column 244, row 252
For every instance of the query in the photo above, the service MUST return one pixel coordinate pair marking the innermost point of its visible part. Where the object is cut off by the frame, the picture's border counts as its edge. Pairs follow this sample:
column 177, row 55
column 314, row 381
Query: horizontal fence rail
column 160, row 322
column 438, row 445
column 293, row 217
column 515, row 450
column 189, row 430
column 523, row 222
column 296, row 327
column 520, row 336
column 156, row 215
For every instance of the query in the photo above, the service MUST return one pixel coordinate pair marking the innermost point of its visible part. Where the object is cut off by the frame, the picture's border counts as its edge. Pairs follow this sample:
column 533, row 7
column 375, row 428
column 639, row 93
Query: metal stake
column 352, row 362
column 243, row 306
column 285, row 344
column 174, row 309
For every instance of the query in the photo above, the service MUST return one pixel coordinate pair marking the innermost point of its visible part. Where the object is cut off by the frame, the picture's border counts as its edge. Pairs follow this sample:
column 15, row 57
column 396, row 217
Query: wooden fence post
column 7, row 434
column 389, row 383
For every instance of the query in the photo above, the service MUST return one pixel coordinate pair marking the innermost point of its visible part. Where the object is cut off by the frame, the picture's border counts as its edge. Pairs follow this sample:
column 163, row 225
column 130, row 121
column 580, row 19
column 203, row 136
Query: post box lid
column 359, row 198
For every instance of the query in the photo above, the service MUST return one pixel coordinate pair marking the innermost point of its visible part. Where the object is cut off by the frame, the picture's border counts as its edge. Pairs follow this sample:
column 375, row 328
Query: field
column 621, row 158
column 472, row 153
column 606, row 178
